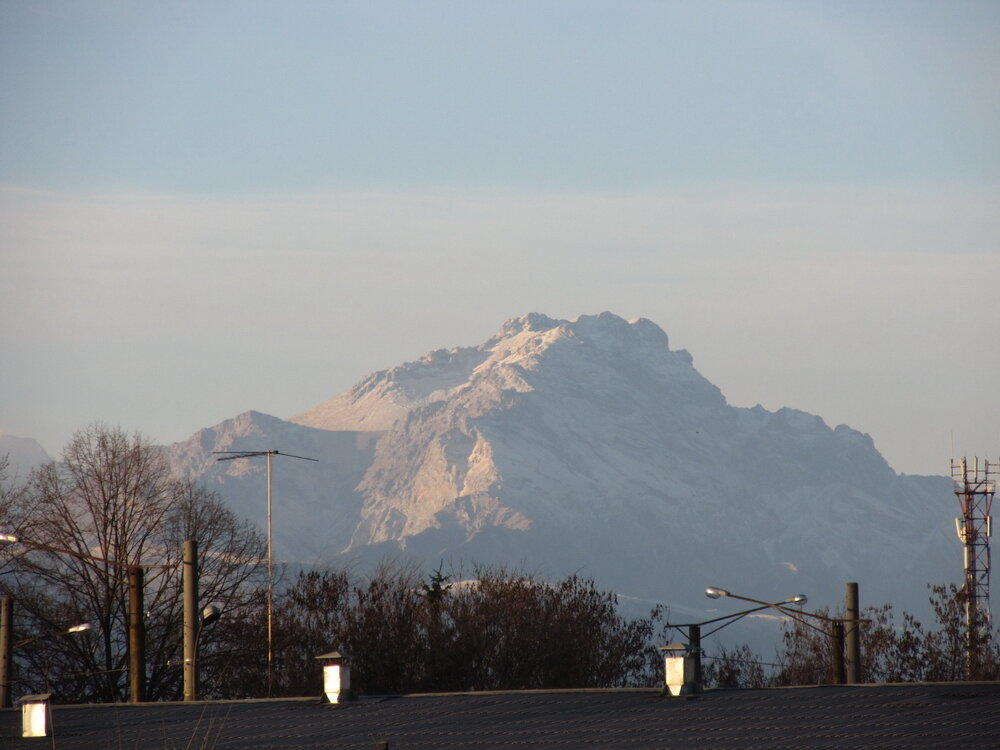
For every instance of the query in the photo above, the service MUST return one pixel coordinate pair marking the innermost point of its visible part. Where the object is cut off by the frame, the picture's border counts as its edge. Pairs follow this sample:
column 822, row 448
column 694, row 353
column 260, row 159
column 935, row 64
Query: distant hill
column 587, row 446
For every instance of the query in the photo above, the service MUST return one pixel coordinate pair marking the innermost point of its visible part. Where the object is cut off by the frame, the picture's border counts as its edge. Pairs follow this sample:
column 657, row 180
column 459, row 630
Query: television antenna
column 231, row 456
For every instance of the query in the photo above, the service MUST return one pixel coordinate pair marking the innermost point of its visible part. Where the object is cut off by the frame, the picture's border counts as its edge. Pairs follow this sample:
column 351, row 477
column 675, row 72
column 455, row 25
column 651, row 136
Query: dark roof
column 952, row 715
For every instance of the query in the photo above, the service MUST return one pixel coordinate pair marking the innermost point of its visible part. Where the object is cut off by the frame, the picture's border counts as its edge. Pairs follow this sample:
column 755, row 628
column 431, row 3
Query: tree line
column 500, row 630
column 112, row 503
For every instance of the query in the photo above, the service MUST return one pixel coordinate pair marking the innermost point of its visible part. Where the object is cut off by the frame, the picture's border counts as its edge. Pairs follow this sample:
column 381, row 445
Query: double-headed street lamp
column 714, row 592
column 841, row 675
column 683, row 662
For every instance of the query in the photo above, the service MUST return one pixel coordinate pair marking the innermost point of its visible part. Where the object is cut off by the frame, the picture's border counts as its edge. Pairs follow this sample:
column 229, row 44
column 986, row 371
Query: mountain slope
column 310, row 500
column 23, row 455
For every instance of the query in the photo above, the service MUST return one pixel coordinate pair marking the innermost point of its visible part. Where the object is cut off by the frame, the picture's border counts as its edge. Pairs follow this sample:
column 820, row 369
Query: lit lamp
column 336, row 676
column 36, row 714
column 682, row 667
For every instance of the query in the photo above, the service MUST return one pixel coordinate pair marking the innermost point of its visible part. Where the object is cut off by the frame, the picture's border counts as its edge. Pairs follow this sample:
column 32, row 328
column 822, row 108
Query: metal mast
column 974, row 490
column 270, row 559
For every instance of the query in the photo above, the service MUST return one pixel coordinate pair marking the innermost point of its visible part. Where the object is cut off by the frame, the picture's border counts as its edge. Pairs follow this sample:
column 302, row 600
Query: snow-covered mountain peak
column 530, row 322
column 381, row 400
column 524, row 354
column 604, row 331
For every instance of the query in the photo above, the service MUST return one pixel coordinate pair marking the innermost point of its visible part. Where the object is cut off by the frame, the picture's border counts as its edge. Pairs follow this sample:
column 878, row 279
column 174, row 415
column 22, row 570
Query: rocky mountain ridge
column 587, row 446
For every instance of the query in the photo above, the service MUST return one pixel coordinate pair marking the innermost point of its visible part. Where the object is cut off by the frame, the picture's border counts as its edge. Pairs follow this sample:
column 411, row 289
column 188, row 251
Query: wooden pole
column 694, row 645
column 853, row 613
column 6, row 651
column 136, row 636
column 837, row 644
column 192, row 619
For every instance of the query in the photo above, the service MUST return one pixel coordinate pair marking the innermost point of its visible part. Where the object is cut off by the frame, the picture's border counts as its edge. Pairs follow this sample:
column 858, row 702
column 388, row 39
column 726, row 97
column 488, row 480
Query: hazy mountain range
column 587, row 446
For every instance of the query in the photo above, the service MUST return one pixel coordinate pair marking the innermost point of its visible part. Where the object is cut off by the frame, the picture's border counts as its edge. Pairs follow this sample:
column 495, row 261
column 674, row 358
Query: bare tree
column 906, row 652
column 311, row 619
column 112, row 503
column 738, row 667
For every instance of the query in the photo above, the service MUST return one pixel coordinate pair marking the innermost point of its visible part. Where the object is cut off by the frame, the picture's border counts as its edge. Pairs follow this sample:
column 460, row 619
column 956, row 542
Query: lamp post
column 136, row 624
column 836, row 633
column 194, row 620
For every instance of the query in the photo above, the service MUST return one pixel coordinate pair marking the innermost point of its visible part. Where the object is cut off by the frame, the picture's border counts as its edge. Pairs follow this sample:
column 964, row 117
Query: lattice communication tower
column 974, row 488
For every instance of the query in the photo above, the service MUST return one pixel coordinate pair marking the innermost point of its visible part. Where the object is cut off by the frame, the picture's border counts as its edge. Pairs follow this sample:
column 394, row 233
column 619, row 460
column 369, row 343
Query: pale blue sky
column 208, row 207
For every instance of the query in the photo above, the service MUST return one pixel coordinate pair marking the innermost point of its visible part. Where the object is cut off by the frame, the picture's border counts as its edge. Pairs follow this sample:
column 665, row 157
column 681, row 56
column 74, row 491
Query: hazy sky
column 210, row 207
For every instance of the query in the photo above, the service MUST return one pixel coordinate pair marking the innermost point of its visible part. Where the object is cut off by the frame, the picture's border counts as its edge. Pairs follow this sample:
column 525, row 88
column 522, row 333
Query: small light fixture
column 336, row 676
column 210, row 614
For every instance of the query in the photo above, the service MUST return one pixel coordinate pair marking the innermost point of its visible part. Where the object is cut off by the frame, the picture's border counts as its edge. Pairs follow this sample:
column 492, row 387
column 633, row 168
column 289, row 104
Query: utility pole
column 270, row 559
column 136, row 636
column 853, row 634
column 6, row 650
column 839, row 672
column 192, row 623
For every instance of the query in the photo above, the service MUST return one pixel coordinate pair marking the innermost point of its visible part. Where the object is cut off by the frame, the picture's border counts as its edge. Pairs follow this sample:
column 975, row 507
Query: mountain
column 588, row 446
column 24, row 454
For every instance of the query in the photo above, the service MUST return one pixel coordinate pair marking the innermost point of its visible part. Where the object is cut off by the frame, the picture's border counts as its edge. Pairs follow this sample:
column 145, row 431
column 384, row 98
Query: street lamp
column 207, row 616
column 836, row 633
column 194, row 619
column 714, row 592
column 82, row 627
column 7, row 646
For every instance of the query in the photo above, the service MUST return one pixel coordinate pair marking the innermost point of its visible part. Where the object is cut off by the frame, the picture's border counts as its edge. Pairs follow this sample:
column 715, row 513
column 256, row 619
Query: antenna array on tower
column 974, row 490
